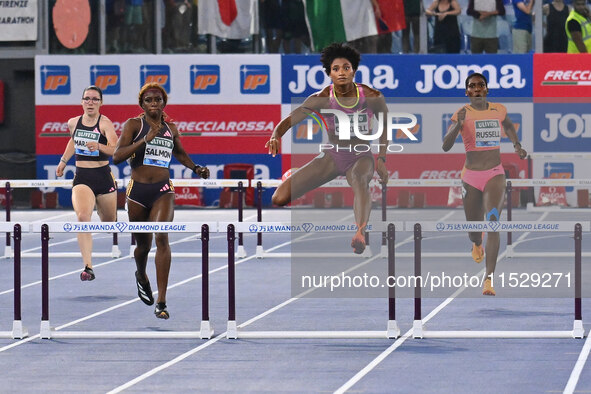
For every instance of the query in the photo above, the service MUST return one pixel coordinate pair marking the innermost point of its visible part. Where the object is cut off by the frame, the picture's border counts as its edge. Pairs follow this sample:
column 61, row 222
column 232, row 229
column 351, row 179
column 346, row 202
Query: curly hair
column 337, row 50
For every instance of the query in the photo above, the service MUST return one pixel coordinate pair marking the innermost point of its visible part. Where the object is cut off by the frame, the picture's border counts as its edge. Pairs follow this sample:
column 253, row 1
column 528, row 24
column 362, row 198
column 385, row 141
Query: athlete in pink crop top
column 340, row 157
column 481, row 124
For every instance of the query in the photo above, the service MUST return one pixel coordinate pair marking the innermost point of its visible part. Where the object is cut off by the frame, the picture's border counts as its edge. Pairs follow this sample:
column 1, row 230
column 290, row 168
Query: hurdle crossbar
column 235, row 332
column 419, row 330
column 115, row 251
column 47, row 332
column 18, row 330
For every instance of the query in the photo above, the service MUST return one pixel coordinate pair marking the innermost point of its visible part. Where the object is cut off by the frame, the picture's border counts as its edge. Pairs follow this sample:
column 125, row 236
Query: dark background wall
column 17, row 133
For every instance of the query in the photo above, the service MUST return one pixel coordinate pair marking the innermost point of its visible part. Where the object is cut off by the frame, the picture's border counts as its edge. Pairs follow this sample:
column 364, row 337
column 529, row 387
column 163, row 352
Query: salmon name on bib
column 158, row 152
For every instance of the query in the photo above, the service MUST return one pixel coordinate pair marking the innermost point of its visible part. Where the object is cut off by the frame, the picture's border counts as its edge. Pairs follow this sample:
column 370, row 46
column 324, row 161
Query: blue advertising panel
column 55, row 80
column 106, row 77
column 427, row 76
column 562, row 127
column 564, row 170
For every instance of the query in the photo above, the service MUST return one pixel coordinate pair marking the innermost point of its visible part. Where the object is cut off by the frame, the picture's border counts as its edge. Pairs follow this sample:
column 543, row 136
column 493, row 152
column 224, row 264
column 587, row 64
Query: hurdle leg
column 260, row 252
column 384, row 251
column 392, row 331
column 417, row 325
column 578, row 329
column 206, row 330
column 18, row 330
column 240, row 252
column 115, row 252
column 232, row 329
column 45, row 329
column 8, row 248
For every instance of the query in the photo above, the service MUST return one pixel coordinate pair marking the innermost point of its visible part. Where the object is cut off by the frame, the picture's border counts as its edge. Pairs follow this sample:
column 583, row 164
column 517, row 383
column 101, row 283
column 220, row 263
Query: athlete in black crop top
column 149, row 142
column 93, row 141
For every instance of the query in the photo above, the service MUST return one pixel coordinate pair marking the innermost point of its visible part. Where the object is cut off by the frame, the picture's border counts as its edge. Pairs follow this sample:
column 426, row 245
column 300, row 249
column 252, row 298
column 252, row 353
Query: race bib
column 158, row 152
column 82, row 137
column 487, row 133
column 363, row 123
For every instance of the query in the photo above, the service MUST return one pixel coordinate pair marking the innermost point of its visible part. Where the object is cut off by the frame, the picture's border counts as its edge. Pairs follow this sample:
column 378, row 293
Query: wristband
column 63, row 160
column 517, row 143
column 195, row 167
column 382, row 158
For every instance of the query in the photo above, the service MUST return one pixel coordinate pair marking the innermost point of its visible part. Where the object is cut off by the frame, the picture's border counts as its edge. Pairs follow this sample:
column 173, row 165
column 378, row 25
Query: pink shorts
column 479, row 179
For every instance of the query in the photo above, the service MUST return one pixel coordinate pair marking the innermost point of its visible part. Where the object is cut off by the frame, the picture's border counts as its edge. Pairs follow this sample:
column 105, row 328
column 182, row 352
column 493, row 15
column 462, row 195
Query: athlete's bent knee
column 280, row 200
column 493, row 214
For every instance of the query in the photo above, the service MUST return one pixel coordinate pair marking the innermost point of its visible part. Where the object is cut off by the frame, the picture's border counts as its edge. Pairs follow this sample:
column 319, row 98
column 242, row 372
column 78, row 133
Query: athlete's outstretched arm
column 312, row 103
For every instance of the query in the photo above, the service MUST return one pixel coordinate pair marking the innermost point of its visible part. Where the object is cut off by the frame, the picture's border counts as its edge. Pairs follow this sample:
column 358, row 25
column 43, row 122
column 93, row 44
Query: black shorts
column 100, row 180
column 146, row 194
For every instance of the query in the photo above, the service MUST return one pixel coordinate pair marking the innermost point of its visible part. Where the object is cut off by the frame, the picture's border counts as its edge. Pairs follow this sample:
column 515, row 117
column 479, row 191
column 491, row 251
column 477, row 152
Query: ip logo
column 300, row 133
column 205, row 79
column 560, row 171
column 107, row 78
column 255, row 79
column 402, row 138
column 151, row 73
column 55, row 80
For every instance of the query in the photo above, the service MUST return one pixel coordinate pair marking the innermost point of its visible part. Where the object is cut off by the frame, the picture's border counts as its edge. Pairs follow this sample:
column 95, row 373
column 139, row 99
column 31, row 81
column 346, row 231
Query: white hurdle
column 18, row 330
column 419, row 330
column 47, row 332
column 51, row 183
column 234, row 331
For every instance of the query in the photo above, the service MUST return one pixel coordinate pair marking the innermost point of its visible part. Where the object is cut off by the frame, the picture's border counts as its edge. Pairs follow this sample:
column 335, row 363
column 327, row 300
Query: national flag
column 392, row 18
column 235, row 19
column 339, row 21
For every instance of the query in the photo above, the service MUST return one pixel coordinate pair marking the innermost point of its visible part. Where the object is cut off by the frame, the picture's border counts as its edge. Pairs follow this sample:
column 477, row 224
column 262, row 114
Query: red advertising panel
column 562, row 75
column 410, row 166
column 205, row 128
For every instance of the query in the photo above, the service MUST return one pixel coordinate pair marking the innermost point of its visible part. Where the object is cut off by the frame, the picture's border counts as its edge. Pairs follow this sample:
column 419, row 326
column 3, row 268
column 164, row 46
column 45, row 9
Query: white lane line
column 576, row 373
column 77, row 271
column 167, row 364
column 382, row 356
column 245, row 324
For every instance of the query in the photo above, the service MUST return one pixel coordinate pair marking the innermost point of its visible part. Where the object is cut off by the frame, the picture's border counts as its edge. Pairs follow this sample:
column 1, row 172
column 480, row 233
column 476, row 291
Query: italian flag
column 347, row 20
column 234, row 19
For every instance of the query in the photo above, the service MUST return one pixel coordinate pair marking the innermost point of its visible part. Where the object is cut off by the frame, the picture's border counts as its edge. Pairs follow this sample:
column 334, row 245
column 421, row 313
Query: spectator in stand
column 556, row 14
column 272, row 22
column 522, row 27
column 115, row 12
column 447, row 33
column 133, row 26
column 412, row 13
column 578, row 28
column 295, row 31
column 484, row 36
